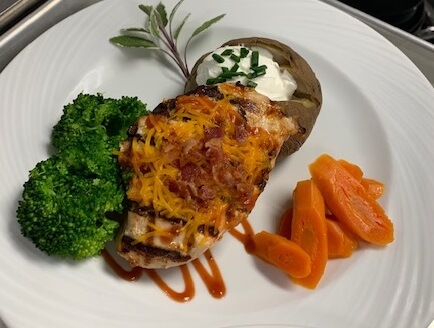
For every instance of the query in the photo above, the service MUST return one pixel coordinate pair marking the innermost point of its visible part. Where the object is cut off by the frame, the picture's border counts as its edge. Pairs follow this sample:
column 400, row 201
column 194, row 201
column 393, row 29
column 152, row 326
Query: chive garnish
column 260, row 73
column 219, row 59
column 255, row 59
column 235, row 67
column 227, row 52
column 235, row 58
column 218, row 79
column 259, row 68
column 228, row 74
column 244, row 52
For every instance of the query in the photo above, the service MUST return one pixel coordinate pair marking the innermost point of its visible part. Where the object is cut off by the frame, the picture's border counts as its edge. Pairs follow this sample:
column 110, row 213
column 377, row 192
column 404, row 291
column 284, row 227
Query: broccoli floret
column 68, row 197
column 94, row 125
column 65, row 214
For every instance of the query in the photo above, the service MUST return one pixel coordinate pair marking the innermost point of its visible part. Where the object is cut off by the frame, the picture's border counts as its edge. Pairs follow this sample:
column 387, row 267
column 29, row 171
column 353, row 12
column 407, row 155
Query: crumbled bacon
column 213, row 133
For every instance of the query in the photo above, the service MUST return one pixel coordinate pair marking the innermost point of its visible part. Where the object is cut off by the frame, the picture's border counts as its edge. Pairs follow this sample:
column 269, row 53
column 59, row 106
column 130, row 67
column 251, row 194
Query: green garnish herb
column 251, row 84
column 228, row 74
column 235, row 58
column 254, row 61
column 227, row 52
column 235, row 67
column 244, row 52
column 158, row 34
column 219, row 59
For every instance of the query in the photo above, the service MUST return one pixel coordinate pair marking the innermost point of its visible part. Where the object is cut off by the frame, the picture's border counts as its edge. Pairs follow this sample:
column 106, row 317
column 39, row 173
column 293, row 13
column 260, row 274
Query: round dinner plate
column 378, row 112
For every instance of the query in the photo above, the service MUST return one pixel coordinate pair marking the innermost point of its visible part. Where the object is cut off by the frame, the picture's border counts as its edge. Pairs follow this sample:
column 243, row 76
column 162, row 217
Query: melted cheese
column 156, row 159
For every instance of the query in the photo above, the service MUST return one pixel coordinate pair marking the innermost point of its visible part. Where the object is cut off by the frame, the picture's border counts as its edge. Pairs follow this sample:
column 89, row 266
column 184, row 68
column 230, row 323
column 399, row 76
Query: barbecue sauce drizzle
column 212, row 279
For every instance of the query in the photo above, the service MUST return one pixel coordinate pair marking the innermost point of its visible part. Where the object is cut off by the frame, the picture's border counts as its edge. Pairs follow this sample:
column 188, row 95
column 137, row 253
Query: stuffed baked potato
column 304, row 105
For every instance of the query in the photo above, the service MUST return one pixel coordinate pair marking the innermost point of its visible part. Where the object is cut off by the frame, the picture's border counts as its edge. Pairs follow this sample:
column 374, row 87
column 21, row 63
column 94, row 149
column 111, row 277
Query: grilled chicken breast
column 198, row 164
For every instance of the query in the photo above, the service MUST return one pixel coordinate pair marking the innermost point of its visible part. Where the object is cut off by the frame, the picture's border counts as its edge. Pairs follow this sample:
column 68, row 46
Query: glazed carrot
column 309, row 229
column 348, row 200
column 285, row 224
column 374, row 188
column 340, row 241
column 353, row 169
column 282, row 253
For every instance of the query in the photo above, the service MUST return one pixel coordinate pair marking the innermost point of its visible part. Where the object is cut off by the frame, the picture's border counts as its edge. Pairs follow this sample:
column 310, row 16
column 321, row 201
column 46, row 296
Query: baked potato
column 305, row 104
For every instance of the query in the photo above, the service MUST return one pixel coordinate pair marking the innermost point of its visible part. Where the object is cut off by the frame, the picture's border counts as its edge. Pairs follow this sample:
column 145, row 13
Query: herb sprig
column 158, row 33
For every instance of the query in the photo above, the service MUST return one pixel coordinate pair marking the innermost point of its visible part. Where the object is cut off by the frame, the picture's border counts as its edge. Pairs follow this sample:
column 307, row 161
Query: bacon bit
column 190, row 172
column 240, row 133
column 213, row 133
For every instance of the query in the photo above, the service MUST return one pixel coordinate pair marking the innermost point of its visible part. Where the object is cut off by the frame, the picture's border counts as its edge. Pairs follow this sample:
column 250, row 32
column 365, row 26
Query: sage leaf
column 136, row 31
column 146, row 9
column 153, row 24
column 178, row 30
column 129, row 41
column 174, row 10
column 207, row 24
column 157, row 33
column 161, row 10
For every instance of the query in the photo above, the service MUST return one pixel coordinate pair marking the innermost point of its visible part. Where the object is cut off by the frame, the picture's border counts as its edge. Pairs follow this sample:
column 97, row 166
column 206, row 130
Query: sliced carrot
column 348, row 200
column 374, row 188
column 341, row 242
column 282, row 253
column 309, row 229
column 353, row 169
column 285, row 224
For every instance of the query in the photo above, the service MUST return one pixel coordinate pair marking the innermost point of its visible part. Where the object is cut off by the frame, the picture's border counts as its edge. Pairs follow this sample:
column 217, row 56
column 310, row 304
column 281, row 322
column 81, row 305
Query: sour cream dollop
column 277, row 83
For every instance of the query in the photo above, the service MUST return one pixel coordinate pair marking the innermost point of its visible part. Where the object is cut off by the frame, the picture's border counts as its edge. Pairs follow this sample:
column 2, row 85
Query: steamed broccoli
column 68, row 197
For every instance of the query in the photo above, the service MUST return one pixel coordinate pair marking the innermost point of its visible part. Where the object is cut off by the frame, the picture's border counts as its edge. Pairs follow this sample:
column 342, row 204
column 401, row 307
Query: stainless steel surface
column 34, row 24
column 13, row 10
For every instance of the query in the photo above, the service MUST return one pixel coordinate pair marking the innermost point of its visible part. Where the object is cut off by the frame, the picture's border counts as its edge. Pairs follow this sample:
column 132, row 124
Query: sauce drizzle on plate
column 212, row 279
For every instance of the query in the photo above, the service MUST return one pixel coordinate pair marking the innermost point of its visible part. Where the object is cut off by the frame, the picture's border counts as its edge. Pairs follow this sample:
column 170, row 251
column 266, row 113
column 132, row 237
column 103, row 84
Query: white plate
column 378, row 112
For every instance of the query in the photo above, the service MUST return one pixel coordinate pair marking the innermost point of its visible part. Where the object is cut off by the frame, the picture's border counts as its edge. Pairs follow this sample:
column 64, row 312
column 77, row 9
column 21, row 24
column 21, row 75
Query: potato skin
column 305, row 104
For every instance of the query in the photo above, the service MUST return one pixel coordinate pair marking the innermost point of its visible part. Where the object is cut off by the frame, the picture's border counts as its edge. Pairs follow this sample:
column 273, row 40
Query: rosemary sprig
column 159, row 34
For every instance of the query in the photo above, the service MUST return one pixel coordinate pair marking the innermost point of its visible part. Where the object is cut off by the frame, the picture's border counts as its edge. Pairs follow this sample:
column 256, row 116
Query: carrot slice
column 285, row 224
column 348, row 200
column 309, row 229
column 282, row 253
column 374, row 188
column 353, row 169
column 341, row 242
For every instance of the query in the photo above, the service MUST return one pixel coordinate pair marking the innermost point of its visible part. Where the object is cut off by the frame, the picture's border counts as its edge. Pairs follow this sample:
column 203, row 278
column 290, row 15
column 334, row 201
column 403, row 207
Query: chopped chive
column 235, row 67
column 215, row 80
column 251, row 75
column 225, row 69
column 260, row 73
column 258, row 69
column 235, row 58
column 254, row 61
column 244, row 52
column 227, row 52
column 251, row 84
column 219, row 59
column 228, row 75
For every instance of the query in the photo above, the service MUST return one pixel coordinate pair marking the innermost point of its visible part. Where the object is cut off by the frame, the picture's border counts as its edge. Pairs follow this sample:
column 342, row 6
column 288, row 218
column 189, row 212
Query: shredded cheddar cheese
column 183, row 172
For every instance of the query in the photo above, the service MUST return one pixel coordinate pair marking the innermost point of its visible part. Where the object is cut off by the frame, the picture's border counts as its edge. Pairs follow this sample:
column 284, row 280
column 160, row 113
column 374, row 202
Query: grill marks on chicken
column 198, row 164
